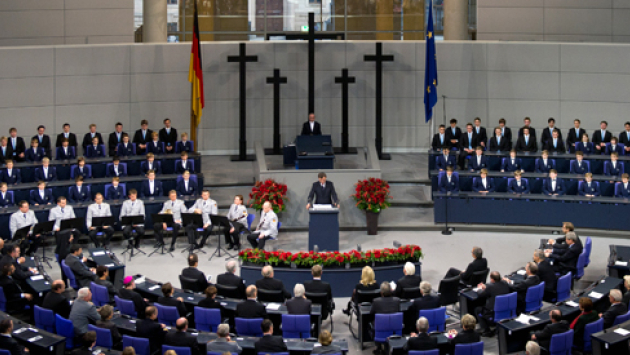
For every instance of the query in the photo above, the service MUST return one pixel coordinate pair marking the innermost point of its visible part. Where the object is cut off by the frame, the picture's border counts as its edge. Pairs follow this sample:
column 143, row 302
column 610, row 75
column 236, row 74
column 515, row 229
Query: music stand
column 72, row 223
column 21, row 235
column 196, row 220
column 219, row 221
column 162, row 218
column 108, row 221
column 44, row 228
column 132, row 221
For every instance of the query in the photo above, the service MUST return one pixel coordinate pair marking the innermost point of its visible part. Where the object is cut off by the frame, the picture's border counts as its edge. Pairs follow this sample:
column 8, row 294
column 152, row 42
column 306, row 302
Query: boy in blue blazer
column 46, row 172
column 65, row 152
column 95, row 150
column 125, row 148
column 518, row 185
column 184, row 145
column 79, row 192
column 512, row 163
column 589, row 188
column 115, row 192
column 116, row 169
column 186, row 187
column 449, row 182
column 35, row 153
column 478, row 161
column 578, row 166
column 80, row 169
column 445, row 159
column 150, row 164
column 553, row 186
column 5, row 199
column 151, row 187
column 11, row 175
column 184, row 165
column 613, row 167
column 623, row 188
column 614, row 147
column 544, row 164
column 483, row 183
column 41, row 196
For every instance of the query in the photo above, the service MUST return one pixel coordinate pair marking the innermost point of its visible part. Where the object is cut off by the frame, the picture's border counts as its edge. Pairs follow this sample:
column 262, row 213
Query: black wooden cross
column 276, row 80
column 242, row 59
column 379, row 58
column 344, row 80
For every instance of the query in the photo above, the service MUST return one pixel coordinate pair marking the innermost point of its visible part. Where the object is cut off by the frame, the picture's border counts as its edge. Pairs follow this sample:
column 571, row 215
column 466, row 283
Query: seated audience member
column 525, row 142
column 79, row 192
column 82, row 273
column 483, row 183
column 449, row 182
column 439, row 139
column 43, row 139
column 107, row 312
column 409, row 280
column 498, row 143
column 584, row 145
column 125, row 148
column 574, row 136
column 479, row 161
column 467, row 144
column 151, row 164
column 186, row 186
column 587, row 315
column 182, row 338
column 142, row 137
column 116, row 169
column 223, row 343
column 616, row 309
column 155, row 146
column 251, row 308
column 453, row 134
column 546, row 273
column 83, row 312
column 192, row 272
column 387, row 303
column 89, row 342
column 5, row 199
column 11, row 175
column 367, row 283
column 168, row 135
column 613, row 167
column 623, row 188
column 547, row 134
column 173, row 207
column 271, row 284
column 531, row 279
column 601, row 137
column 210, row 300
column 445, row 160
column 589, row 188
column 95, row 150
column 613, row 147
column 496, row 287
column 56, row 301
column 559, row 244
column 102, row 274
column 299, row 304
column 422, row 340
column 566, row 262
column 229, row 278
column 46, row 172
column 41, row 196
column 544, row 164
column 624, row 138
column 17, row 148
column 325, row 340
column 519, row 185
column 554, row 186
column 557, row 326
column 81, row 170
column 426, row 300
column 467, row 335
column 578, row 166
column 184, row 165
column 6, row 340
column 532, row 348
column 151, row 187
column 16, row 298
column 127, row 292
column 35, row 153
column 99, row 209
column 65, row 152
column 316, row 285
column 168, row 300
column 184, row 145
column 149, row 328
column 478, row 264
column 269, row 343
column 114, row 139
column 512, row 163
column 626, row 286
column 555, row 144
column 115, row 192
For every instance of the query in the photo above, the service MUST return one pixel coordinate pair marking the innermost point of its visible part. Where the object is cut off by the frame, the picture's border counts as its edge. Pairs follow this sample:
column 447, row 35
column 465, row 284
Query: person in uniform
column 323, row 191
column 64, row 237
column 22, row 218
column 176, row 208
column 267, row 228
column 205, row 206
column 238, row 222
column 99, row 209
column 132, row 207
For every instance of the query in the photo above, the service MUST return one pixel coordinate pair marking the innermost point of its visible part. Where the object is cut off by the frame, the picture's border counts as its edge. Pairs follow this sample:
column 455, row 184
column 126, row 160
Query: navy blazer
column 575, row 169
column 15, row 177
column 473, row 166
column 441, row 163
column 122, row 171
column 584, row 190
column 6, row 201
column 478, row 186
column 157, row 189
column 35, row 197
column 514, row 188
column 52, row 174
column 151, row 148
column 179, row 169
column 446, row 187
column 493, row 146
column 506, row 164
column 60, row 155
column 125, row 152
column 91, row 153
column 561, row 188
column 617, row 149
column 609, row 171
column 157, row 167
column 620, row 191
column 181, row 188
column 31, row 155
column 542, row 168
column 86, row 173
column 547, row 137
column 586, row 149
column 181, row 147
column 114, row 193
column 75, row 196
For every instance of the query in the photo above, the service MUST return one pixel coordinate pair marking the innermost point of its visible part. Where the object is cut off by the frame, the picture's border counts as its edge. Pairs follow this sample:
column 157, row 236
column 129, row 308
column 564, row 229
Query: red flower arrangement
column 310, row 258
column 268, row 190
column 372, row 195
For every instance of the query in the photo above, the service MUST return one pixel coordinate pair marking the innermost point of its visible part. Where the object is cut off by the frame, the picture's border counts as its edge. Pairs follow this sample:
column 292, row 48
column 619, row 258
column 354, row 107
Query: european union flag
column 430, row 70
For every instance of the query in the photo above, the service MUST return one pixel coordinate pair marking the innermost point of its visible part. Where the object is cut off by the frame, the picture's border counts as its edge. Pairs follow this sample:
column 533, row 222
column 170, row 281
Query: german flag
column 195, row 73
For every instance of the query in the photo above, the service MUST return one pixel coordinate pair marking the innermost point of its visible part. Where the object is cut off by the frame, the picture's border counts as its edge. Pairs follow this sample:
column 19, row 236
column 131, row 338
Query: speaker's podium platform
column 314, row 152
column 323, row 228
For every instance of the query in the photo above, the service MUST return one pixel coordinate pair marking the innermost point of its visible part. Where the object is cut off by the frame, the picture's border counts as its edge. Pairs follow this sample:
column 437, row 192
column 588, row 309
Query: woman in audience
column 106, row 313
column 210, row 301
column 586, row 316
column 466, row 336
column 626, row 296
column 585, row 146
column 367, row 282
column 325, row 339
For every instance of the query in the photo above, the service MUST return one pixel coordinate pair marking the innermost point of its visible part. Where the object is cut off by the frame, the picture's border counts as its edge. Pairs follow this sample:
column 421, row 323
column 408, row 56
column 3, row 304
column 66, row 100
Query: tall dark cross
column 344, row 80
column 276, row 80
column 379, row 58
column 242, row 59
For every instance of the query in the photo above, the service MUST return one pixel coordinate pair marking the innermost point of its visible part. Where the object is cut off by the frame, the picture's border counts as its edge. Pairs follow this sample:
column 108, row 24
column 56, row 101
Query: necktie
column 99, row 207
column 93, row 135
column 62, row 211
column 66, row 134
column 132, row 203
column 498, row 140
column 172, row 204
column 204, row 203
column 40, row 139
column 453, row 130
column 261, row 222
column 502, row 132
column 323, row 186
column 25, row 216
column 526, row 140
column 555, row 142
column 477, row 130
column 168, row 131
column 469, row 140
column 13, row 140
column 144, row 134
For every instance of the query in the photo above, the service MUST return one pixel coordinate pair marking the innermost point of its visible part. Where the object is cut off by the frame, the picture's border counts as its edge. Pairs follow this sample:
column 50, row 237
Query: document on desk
column 521, row 272
column 571, row 304
column 622, row 331
column 110, row 265
column 621, row 263
column 273, row 306
column 595, row 295
column 140, row 280
column 98, row 253
column 476, row 289
column 154, row 287
column 525, row 319
column 322, row 207
column 37, row 278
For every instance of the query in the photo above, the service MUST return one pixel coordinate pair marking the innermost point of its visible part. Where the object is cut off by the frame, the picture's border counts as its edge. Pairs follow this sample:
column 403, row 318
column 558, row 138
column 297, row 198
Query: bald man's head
column 181, row 324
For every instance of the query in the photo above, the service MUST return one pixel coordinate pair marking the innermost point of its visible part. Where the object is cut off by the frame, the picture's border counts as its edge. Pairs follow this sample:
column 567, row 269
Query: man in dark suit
column 426, row 301
column 192, row 272
column 422, row 340
column 531, row 279
column 601, row 137
column 89, row 342
column 546, row 273
column 114, row 139
column 6, row 340
column 299, row 304
column 182, row 338
column 323, row 191
column 16, row 298
column 387, row 303
column 467, row 144
column 142, row 137
column 87, row 138
column 555, row 143
column 409, row 280
column 478, row 161
column 231, row 279
column 168, row 300
column 82, row 273
column 518, row 185
column 624, row 138
column 251, row 308
column 506, row 132
column 56, row 301
column 17, row 148
column 554, row 186
column 445, row 160
column 168, row 135
column 498, row 142
column 496, row 287
column 5, row 152
column 574, row 136
column 560, row 245
column 71, row 137
column 149, row 328
column 527, row 123
column 478, row 264
column 483, row 183
column 128, row 293
column 563, row 263
column 547, row 133
column 453, row 133
column 525, row 142
column 616, row 309
column 102, row 273
column 439, row 139
column 449, row 182
column 43, row 139
column 318, row 286
column 269, row 343
column 557, row 326
column 223, row 343
column 480, row 133
column 310, row 127
column 271, row 284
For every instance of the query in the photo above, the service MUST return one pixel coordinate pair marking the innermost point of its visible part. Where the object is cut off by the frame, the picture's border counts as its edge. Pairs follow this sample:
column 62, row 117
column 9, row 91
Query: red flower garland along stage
column 268, row 190
column 372, row 195
column 310, row 258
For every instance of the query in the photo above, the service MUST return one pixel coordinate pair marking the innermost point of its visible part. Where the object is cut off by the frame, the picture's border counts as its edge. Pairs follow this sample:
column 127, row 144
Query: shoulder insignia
column 274, row 220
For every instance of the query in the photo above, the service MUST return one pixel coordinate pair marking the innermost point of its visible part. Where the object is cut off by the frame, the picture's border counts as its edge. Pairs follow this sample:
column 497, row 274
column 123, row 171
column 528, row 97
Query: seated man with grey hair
column 478, row 264
column 223, row 343
column 426, row 301
column 410, row 281
column 545, row 271
column 567, row 262
column 616, row 309
column 83, row 312
column 422, row 340
column 299, row 304
column 532, row 348
column 231, row 279
column 271, row 284
column 386, row 304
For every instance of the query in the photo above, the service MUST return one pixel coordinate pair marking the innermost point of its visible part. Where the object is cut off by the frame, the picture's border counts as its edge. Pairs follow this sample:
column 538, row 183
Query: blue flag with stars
column 430, row 70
